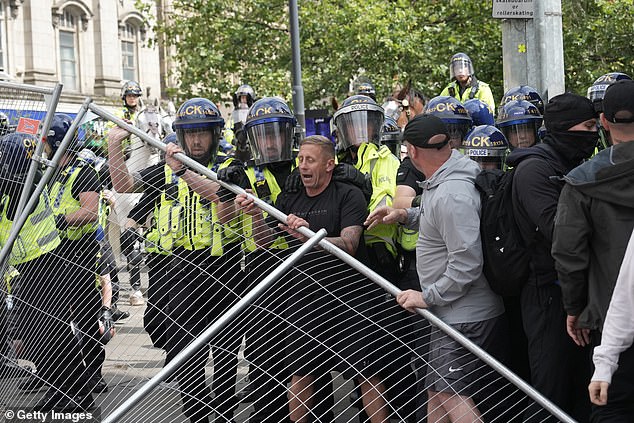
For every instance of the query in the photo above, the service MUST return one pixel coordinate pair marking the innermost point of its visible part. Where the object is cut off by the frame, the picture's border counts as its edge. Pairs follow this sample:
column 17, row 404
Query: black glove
column 235, row 175
column 347, row 173
column 106, row 324
column 127, row 240
column 293, row 182
column 416, row 201
column 60, row 222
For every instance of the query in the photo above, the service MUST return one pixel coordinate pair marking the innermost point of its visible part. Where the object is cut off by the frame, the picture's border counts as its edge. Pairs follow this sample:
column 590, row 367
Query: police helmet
column 244, row 90
column 131, row 88
column 358, row 120
column 16, row 151
column 391, row 136
column 524, row 92
column 5, row 124
column 195, row 117
column 454, row 114
column 487, row 145
column 366, row 88
column 479, row 112
column 519, row 121
column 597, row 90
column 59, row 127
column 460, row 65
column 270, row 129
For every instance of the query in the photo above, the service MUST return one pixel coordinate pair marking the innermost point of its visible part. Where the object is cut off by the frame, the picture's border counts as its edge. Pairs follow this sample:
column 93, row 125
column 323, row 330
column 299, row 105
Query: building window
column 68, row 50
column 128, row 52
column 3, row 38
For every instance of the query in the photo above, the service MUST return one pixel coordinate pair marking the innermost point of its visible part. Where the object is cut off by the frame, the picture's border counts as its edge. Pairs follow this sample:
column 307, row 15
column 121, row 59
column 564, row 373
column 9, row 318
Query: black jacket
column 537, row 183
column 595, row 218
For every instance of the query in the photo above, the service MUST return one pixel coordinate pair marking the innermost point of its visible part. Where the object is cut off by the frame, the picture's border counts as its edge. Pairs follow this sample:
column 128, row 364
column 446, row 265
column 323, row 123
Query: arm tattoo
column 349, row 239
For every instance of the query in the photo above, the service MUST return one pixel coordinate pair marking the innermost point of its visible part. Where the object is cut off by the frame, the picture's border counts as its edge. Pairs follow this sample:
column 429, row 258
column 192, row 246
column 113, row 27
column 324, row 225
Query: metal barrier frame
column 51, row 99
column 52, row 165
column 345, row 257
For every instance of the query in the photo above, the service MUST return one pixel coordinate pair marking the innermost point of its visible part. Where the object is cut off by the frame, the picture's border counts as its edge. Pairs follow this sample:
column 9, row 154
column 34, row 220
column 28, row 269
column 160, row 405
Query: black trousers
column 558, row 366
column 620, row 406
column 201, row 289
column 265, row 335
column 54, row 290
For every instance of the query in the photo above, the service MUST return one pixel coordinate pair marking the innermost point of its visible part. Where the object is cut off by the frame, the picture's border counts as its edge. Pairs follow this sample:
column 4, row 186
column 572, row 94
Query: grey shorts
column 454, row 369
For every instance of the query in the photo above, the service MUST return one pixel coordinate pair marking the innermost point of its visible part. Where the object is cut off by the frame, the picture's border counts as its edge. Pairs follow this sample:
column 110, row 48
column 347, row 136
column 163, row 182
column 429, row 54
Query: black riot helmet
column 519, row 121
column 460, row 65
column 391, row 136
column 526, row 93
column 453, row 113
column 486, row 145
column 196, row 118
column 358, row 120
column 597, row 90
column 270, row 129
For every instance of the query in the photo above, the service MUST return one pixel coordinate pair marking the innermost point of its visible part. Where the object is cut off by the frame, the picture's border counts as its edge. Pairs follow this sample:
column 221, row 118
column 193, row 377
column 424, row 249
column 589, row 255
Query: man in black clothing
column 554, row 359
column 316, row 315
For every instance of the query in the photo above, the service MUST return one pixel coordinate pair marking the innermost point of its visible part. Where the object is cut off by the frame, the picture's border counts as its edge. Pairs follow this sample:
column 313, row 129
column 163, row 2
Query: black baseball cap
column 422, row 128
column 619, row 97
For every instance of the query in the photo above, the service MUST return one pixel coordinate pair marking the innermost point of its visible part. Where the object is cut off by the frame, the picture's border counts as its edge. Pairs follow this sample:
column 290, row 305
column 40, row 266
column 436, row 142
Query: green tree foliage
column 597, row 40
column 387, row 41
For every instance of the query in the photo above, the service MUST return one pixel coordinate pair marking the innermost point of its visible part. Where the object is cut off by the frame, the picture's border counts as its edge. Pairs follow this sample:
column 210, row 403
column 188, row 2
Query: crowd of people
column 394, row 187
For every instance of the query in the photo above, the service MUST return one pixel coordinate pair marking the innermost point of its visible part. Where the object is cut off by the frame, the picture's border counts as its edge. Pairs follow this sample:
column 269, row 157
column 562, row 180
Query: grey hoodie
column 449, row 252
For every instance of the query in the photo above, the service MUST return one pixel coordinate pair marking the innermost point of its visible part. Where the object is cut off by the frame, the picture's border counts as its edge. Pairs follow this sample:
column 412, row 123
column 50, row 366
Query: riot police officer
column 487, row 146
column 203, row 265
column 523, row 92
column 479, row 112
column 464, row 85
column 519, row 121
column 595, row 93
column 48, row 285
column 391, row 136
column 131, row 93
column 453, row 113
column 359, row 121
column 75, row 199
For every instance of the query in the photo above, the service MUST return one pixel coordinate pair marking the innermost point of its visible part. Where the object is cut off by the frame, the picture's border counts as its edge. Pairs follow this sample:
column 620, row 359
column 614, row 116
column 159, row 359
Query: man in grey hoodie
column 449, row 265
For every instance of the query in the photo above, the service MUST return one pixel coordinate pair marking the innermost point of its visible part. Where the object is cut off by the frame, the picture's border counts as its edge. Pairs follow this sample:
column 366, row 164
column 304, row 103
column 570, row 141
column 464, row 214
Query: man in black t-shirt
column 324, row 322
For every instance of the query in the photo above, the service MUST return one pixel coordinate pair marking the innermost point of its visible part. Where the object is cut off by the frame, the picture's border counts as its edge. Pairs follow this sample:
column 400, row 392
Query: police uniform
column 195, row 277
column 476, row 89
column 79, row 250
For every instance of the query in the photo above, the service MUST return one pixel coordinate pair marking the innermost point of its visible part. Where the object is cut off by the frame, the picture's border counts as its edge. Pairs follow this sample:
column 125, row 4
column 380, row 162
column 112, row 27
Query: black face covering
column 574, row 146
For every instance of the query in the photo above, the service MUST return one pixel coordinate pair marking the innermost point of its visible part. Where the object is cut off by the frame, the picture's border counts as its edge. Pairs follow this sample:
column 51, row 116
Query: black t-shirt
column 339, row 206
column 410, row 176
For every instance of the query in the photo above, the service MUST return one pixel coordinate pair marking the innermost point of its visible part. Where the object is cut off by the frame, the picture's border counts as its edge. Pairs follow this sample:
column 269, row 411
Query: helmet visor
column 460, row 67
column 200, row 144
column 457, row 133
column 357, row 127
column 271, row 142
column 520, row 135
